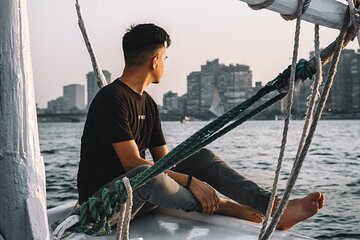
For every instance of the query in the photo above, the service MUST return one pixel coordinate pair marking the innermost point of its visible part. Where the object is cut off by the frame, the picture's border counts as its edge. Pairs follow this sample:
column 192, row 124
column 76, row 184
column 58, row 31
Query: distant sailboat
column 217, row 106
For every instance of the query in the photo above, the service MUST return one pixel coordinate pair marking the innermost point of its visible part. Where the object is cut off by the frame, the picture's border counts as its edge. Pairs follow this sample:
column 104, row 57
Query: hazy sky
column 201, row 30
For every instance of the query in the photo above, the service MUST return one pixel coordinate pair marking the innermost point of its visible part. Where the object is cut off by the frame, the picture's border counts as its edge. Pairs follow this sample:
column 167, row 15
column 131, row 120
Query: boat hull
column 165, row 224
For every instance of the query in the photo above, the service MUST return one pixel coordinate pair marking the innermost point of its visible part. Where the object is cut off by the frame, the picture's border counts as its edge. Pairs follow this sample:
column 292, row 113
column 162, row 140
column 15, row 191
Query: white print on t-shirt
column 141, row 117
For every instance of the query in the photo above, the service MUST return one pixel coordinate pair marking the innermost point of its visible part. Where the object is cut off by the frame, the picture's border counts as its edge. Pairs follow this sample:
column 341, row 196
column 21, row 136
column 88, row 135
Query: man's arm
column 202, row 191
column 128, row 154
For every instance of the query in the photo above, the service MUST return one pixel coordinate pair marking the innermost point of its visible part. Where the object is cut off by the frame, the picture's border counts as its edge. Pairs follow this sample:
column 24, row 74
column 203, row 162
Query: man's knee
column 159, row 180
column 205, row 156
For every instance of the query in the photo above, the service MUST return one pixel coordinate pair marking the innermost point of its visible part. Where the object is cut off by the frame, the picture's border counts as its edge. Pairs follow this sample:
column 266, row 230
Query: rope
column 298, row 162
column 300, row 10
column 98, row 72
column 260, row 6
column 354, row 16
column 286, row 123
column 315, row 92
column 63, row 226
column 125, row 213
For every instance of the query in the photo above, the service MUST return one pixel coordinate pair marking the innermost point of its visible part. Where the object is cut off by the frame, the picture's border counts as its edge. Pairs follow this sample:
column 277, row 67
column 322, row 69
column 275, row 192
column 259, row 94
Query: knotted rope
column 300, row 10
column 262, row 5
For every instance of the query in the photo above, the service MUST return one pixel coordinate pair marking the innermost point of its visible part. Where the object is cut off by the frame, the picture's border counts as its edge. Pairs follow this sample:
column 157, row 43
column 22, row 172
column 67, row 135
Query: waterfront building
column 74, row 95
column 193, row 93
column 92, row 86
column 57, row 106
column 182, row 104
column 208, row 81
column 225, row 86
column 235, row 85
column 170, row 102
column 344, row 98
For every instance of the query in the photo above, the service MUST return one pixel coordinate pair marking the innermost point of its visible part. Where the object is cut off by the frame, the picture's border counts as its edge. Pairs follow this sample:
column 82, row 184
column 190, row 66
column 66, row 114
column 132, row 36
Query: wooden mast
column 328, row 13
column 22, row 171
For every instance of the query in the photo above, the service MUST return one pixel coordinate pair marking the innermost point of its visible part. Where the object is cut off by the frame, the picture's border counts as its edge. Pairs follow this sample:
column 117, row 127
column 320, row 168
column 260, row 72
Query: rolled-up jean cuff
column 197, row 208
column 262, row 202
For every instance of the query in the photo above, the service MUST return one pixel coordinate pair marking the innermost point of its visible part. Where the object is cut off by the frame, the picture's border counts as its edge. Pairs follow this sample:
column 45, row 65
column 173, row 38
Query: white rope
column 123, row 224
column 63, row 226
column 314, row 95
column 298, row 162
column 98, row 72
column 262, row 235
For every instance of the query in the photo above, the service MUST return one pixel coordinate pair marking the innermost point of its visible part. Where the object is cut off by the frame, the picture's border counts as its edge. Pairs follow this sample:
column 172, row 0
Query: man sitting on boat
column 123, row 122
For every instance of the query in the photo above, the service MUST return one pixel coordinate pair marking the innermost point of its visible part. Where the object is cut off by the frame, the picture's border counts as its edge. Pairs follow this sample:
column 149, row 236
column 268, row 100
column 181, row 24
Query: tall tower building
column 193, row 93
column 235, row 84
column 209, row 77
column 344, row 97
column 92, row 86
column 217, row 85
column 74, row 96
column 170, row 101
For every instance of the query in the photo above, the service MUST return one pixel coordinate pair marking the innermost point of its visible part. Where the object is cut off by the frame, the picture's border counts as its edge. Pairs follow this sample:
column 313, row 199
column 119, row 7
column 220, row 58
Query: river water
column 332, row 165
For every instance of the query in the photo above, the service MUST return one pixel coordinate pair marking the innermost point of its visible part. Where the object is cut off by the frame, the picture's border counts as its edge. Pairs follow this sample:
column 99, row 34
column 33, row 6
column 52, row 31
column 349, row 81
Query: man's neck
column 136, row 79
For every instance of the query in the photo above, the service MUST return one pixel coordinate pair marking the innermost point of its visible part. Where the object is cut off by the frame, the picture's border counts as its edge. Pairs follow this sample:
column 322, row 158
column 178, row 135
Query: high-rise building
column 74, row 96
column 344, row 98
column 193, row 93
column 92, row 86
column 219, row 84
column 236, row 84
column 170, row 101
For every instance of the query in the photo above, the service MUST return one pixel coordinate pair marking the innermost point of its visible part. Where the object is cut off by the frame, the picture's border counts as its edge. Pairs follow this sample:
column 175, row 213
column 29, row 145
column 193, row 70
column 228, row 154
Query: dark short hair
column 141, row 41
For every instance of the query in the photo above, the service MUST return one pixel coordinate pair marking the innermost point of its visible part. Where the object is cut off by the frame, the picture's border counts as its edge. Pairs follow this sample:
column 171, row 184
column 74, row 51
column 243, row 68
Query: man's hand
column 205, row 194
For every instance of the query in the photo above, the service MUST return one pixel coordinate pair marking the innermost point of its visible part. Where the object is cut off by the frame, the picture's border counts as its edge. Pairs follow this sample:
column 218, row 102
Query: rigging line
column 264, row 234
column 97, row 70
column 298, row 162
column 315, row 92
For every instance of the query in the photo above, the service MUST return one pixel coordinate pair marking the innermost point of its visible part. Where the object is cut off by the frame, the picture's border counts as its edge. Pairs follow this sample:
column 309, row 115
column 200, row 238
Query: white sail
column 216, row 106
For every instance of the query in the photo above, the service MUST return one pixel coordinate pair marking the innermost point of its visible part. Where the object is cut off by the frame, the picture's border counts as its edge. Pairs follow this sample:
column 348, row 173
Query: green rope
column 95, row 214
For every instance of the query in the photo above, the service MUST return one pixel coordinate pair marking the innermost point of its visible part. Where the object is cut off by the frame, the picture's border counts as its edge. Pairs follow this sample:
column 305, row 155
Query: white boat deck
column 176, row 224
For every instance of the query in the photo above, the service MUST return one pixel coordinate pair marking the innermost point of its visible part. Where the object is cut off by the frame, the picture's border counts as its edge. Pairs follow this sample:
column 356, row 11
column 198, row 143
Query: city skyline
column 235, row 35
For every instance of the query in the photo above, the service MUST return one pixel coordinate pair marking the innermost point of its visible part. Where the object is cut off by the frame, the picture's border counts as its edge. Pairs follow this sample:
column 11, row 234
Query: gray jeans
column 163, row 191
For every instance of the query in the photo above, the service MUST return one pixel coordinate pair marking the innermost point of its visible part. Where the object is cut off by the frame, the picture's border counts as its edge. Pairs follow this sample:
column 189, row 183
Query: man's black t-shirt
column 116, row 114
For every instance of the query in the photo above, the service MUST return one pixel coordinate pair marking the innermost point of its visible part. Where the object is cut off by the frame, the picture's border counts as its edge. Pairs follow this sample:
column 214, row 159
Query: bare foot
column 300, row 209
column 231, row 208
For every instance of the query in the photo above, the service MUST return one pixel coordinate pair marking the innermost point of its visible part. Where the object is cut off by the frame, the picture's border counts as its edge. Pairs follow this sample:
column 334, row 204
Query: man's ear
column 155, row 61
